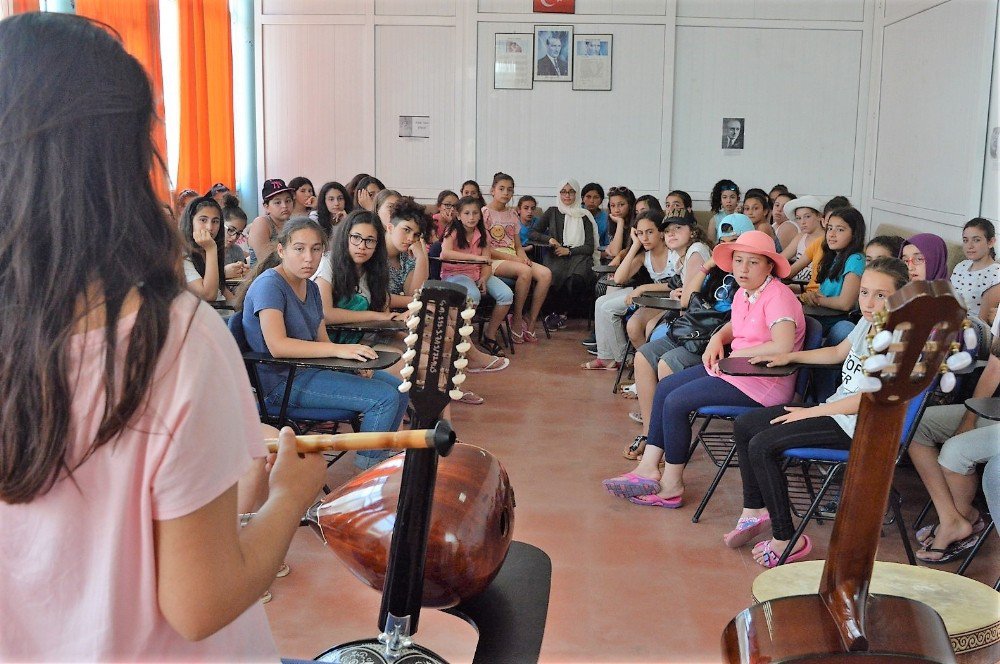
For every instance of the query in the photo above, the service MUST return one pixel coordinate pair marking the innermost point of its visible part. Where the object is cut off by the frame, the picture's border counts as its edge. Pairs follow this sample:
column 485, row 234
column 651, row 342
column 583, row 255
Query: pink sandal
column 747, row 527
column 529, row 336
column 594, row 365
column 771, row 557
column 630, row 484
column 653, row 500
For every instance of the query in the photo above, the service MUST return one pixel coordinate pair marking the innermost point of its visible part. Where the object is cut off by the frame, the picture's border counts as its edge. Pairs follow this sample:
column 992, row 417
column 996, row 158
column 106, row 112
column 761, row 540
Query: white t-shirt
column 191, row 274
column 851, row 373
column 79, row 563
column 971, row 284
column 325, row 272
column 697, row 248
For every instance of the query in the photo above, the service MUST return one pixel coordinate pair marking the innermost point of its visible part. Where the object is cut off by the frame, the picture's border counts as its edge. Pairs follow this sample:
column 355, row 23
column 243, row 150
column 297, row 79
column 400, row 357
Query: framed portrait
column 732, row 133
column 512, row 61
column 553, row 53
column 592, row 62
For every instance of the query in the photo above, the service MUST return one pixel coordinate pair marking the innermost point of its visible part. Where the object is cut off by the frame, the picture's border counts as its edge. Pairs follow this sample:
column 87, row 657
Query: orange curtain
column 22, row 6
column 207, row 153
column 137, row 22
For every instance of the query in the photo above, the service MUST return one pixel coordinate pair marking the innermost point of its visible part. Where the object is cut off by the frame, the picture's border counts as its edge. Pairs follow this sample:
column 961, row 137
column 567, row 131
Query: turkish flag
column 555, row 6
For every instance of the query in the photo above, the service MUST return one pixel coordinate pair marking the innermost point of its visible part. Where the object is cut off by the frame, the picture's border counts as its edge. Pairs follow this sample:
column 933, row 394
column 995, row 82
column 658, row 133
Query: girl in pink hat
column 766, row 318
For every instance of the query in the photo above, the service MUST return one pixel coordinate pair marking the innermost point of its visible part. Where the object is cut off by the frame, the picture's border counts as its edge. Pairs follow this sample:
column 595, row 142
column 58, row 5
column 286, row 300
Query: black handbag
column 697, row 325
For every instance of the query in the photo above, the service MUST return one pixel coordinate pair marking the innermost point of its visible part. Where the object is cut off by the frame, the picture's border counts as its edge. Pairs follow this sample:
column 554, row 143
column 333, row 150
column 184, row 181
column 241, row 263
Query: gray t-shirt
column 851, row 373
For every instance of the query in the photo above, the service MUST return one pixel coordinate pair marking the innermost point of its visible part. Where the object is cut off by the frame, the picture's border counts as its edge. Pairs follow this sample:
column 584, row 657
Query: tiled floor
column 629, row 584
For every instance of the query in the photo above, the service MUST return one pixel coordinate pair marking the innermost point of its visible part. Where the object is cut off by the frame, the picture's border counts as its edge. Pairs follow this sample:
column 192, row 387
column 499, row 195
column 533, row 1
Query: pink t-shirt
column 501, row 228
column 78, row 580
column 752, row 324
column 469, row 270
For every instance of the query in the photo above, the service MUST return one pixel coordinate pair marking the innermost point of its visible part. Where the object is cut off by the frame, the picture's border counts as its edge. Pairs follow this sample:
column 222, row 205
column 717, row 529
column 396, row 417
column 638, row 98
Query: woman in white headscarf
column 569, row 232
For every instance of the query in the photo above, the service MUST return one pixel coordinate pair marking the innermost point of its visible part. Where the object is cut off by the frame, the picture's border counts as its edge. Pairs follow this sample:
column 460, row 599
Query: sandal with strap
column 492, row 347
column 529, row 335
column 634, row 451
column 600, row 364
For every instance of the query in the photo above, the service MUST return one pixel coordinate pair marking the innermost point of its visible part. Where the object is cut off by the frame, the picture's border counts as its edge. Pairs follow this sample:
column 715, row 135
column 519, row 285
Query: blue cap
column 733, row 224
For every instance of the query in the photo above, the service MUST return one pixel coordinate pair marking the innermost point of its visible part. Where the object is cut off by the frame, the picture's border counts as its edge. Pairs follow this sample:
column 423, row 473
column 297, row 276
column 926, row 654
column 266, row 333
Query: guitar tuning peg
column 948, row 382
column 406, row 372
column 412, row 322
column 463, row 347
column 414, row 306
column 970, row 337
column 959, row 361
column 456, row 395
column 458, row 379
column 468, row 314
column 869, row 384
column 461, row 363
column 409, row 355
column 881, row 341
column 466, row 331
column 410, row 340
column 875, row 363
column 405, row 386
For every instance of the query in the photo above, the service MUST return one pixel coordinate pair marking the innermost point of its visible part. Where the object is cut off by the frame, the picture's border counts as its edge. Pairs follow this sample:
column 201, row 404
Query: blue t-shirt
column 832, row 287
column 523, row 233
column 271, row 291
column 602, row 227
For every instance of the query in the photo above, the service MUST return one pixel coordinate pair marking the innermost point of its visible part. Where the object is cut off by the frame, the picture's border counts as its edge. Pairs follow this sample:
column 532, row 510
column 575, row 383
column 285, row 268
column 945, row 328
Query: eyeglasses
column 448, row 206
column 358, row 240
column 232, row 230
column 917, row 259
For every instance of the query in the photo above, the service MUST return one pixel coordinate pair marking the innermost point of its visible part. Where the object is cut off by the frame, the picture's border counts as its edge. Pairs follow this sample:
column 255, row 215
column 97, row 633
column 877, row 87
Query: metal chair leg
column 713, row 485
column 809, row 513
column 895, row 503
column 975, row 549
column 629, row 348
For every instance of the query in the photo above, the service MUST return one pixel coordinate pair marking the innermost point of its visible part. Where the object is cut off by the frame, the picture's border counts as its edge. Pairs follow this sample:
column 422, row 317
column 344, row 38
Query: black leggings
column 760, row 445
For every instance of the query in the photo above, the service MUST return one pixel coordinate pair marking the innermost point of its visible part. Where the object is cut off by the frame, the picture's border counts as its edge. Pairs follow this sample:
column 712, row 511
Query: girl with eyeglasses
column 235, row 220
column 446, row 202
column 926, row 255
column 466, row 241
column 725, row 198
column 204, row 267
column 353, row 276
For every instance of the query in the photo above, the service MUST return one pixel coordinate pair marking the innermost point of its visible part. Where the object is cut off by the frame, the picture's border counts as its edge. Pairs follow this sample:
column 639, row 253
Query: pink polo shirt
column 78, row 580
column 472, row 271
column 752, row 322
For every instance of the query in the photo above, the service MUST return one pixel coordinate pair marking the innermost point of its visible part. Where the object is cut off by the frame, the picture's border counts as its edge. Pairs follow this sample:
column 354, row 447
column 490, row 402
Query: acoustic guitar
column 920, row 324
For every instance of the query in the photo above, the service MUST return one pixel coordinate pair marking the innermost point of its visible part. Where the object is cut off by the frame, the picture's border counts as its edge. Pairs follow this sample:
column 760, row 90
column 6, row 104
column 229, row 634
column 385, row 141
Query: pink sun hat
column 754, row 242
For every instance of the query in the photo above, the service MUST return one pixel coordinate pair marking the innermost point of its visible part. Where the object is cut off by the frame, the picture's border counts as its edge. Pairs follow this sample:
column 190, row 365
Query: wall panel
column 552, row 131
column 802, row 134
column 312, row 129
column 415, row 72
column 311, row 7
column 415, row 7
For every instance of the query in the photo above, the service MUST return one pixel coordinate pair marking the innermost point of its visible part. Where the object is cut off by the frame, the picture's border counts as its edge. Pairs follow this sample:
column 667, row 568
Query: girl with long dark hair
column 204, row 266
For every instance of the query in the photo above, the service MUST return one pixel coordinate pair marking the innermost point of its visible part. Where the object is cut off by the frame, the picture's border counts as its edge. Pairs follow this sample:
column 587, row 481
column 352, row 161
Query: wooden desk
column 605, row 269
column 384, row 360
column 458, row 261
column 987, row 408
column 654, row 302
column 609, row 282
column 368, row 326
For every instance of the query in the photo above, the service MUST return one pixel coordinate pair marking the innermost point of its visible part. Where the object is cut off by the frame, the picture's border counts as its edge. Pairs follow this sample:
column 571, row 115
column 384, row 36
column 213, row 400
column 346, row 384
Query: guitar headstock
column 439, row 327
column 919, row 330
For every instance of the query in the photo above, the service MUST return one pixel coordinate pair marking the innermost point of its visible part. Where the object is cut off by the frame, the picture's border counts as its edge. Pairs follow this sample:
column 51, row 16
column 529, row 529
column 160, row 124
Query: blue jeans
column 497, row 289
column 677, row 396
column 344, row 395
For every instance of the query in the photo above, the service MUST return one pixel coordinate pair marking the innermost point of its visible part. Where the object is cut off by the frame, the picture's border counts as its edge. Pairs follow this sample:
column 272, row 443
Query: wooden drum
column 970, row 609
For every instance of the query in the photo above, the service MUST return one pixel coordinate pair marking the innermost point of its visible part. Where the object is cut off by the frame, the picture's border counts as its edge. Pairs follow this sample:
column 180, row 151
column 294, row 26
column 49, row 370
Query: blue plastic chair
column 826, row 466
column 720, row 446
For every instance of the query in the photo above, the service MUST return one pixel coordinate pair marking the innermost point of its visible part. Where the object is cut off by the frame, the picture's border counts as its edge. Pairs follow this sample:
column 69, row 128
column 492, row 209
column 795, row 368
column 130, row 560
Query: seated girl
column 784, row 228
column 757, row 207
column 806, row 211
column 570, row 235
column 333, row 204
column 235, row 220
column 510, row 261
column 678, row 203
column 766, row 319
column 465, row 240
column 689, row 251
column 593, row 197
column 264, row 230
column 883, row 246
column 204, row 266
column 659, row 358
column 303, row 196
column 471, row 188
column 385, row 203
column 648, row 261
column 977, row 279
column 645, row 203
column 839, row 274
column 526, row 206
column 725, row 198
column 283, row 316
column 445, row 214
column 621, row 219
column 365, row 193
column 926, row 256
column 762, row 435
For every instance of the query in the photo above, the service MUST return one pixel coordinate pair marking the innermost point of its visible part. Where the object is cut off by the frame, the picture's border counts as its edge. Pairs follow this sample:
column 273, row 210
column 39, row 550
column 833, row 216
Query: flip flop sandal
column 630, row 484
column 635, row 417
column 771, row 557
column 652, row 500
column 747, row 527
column 492, row 347
column 634, row 451
column 950, row 552
column 472, row 399
column 925, row 535
column 597, row 364
column 496, row 364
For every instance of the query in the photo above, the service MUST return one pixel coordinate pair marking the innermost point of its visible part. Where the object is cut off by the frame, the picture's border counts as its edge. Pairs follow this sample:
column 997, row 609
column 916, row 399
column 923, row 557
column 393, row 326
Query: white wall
column 832, row 93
